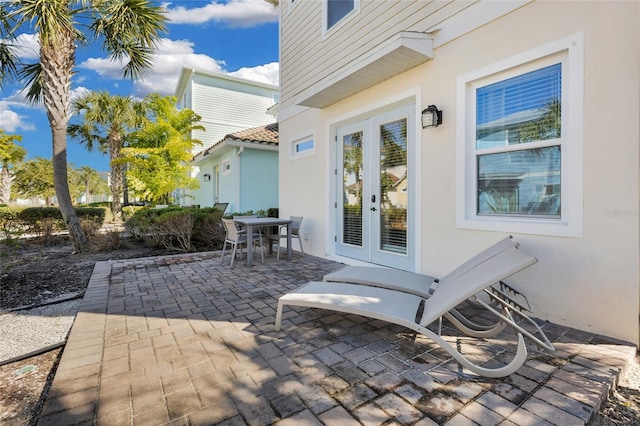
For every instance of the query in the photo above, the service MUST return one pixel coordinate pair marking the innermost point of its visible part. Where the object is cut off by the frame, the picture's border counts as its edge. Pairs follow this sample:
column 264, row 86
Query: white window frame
column 294, row 142
column 226, row 167
column 325, row 17
column 570, row 52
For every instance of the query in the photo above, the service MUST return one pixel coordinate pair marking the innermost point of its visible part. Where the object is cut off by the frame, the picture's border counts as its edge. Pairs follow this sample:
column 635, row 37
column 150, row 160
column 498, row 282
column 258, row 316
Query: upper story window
column 521, row 146
column 336, row 10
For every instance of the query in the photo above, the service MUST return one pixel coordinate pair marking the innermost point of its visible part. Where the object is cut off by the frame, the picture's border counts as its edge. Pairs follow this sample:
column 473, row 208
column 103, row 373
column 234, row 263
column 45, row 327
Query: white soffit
column 400, row 53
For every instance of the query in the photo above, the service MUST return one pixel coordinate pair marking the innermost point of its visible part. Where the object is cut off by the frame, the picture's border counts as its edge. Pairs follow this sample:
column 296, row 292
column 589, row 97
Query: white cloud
column 11, row 121
column 235, row 13
column 17, row 98
column 268, row 73
column 27, row 46
column 79, row 92
column 169, row 58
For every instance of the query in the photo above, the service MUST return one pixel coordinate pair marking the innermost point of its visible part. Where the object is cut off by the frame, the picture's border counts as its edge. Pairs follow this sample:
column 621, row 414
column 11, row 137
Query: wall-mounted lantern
column 431, row 117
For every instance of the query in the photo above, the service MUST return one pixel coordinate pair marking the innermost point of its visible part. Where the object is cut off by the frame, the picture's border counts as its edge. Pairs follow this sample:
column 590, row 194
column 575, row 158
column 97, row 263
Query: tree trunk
column 117, row 172
column 57, row 57
column 60, row 180
column 5, row 186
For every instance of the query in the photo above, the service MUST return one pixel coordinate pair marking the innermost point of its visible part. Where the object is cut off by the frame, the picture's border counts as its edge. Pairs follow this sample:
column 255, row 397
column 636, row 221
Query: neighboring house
column 539, row 139
column 239, row 170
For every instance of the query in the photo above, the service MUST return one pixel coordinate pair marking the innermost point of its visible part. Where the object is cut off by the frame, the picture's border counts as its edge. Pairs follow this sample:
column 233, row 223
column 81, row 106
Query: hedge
column 15, row 221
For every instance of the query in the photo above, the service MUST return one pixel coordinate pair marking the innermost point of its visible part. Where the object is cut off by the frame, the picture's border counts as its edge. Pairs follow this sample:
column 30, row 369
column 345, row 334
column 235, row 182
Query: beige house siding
column 308, row 56
column 591, row 282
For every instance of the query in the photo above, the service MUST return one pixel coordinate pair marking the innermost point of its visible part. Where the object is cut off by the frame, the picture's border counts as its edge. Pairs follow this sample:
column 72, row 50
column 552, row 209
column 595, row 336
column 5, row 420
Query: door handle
column 373, row 198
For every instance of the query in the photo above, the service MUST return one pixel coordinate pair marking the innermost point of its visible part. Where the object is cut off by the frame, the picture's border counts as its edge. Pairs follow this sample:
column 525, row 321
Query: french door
column 374, row 193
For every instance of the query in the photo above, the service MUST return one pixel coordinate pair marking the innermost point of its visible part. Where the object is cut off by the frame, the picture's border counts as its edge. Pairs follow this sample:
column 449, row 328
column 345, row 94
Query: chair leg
column 301, row 248
column 278, row 248
column 224, row 246
column 261, row 248
column 233, row 254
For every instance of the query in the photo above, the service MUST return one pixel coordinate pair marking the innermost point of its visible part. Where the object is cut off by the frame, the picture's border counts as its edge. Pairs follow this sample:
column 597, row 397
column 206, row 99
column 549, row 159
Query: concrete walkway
column 185, row 340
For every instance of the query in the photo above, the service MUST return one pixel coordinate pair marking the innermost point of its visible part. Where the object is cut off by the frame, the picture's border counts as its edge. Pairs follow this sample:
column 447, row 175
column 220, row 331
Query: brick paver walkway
column 185, row 340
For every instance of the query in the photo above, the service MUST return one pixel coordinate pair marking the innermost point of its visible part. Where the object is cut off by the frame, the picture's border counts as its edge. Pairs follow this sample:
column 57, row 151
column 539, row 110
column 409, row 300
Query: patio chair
column 221, row 206
column 417, row 312
column 295, row 233
column 424, row 285
column 236, row 238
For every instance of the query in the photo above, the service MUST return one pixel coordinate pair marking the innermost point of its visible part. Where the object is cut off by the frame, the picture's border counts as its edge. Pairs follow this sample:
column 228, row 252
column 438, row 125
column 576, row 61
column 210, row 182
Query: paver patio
column 186, row 340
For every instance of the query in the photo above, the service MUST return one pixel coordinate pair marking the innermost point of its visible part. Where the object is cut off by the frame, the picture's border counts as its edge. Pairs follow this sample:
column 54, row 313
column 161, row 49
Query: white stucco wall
column 590, row 282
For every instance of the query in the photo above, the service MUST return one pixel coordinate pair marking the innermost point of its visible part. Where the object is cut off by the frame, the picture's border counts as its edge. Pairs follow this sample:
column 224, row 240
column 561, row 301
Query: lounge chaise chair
column 424, row 285
column 417, row 312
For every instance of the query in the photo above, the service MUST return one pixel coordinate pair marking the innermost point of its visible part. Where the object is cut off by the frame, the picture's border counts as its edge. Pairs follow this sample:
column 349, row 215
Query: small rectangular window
column 303, row 147
column 226, row 167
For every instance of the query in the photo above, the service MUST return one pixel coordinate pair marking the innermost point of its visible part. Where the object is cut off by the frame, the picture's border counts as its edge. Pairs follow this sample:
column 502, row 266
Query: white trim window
column 226, row 167
column 302, row 147
column 520, row 143
column 334, row 12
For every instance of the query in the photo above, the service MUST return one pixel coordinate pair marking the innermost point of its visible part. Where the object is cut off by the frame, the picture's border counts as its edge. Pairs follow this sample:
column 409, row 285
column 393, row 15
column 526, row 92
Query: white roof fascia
column 251, row 145
column 228, row 143
column 414, row 48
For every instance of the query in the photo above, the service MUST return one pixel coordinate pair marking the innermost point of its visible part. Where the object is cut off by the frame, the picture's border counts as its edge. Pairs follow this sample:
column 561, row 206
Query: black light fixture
column 206, row 177
column 431, row 117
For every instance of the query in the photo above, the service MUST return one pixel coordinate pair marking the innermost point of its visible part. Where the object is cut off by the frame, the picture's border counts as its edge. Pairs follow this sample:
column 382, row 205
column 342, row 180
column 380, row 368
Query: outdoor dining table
column 257, row 222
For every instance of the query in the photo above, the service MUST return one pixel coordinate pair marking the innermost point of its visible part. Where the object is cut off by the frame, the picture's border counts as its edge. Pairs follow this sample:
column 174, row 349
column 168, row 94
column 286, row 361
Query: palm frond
column 51, row 19
column 9, row 62
column 32, row 75
column 130, row 30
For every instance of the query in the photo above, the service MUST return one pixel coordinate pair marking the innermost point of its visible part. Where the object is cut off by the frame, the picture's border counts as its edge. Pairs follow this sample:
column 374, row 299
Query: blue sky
column 236, row 37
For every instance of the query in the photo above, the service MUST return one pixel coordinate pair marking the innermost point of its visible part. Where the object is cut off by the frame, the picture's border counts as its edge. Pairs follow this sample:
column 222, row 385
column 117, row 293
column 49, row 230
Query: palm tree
column 89, row 181
column 127, row 29
column 107, row 120
column 10, row 155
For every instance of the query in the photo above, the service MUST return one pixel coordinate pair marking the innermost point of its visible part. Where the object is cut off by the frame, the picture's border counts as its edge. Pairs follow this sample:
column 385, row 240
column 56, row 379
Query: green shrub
column 208, row 230
column 43, row 221
column 183, row 228
column 9, row 225
column 178, row 228
column 174, row 230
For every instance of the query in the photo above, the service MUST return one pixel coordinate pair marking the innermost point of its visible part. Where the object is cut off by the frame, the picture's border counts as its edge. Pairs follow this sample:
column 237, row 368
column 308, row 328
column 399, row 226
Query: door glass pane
column 394, row 186
column 352, row 188
column 523, row 182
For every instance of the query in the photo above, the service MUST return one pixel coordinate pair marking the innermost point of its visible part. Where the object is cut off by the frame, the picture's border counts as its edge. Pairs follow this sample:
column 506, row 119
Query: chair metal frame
column 295, row 233
column 417, row 312
column 237, row 238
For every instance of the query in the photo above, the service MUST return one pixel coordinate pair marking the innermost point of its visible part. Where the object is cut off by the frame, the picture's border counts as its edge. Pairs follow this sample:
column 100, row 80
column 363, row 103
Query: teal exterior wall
column 251, row 182
column 258, row 179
